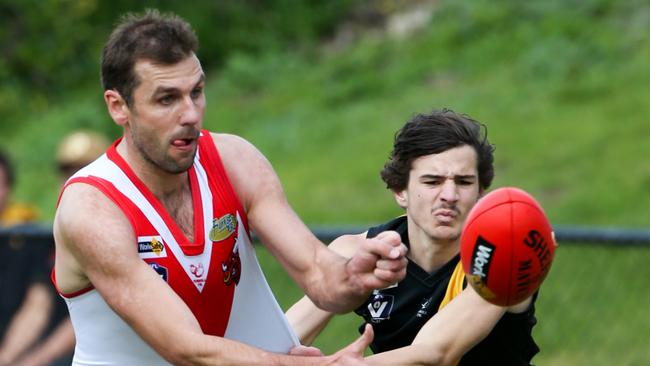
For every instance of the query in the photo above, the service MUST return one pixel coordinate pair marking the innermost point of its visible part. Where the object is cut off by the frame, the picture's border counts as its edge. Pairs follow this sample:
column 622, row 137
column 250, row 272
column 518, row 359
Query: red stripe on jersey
column 188, row 247
column 217, row 175
column 211, row 305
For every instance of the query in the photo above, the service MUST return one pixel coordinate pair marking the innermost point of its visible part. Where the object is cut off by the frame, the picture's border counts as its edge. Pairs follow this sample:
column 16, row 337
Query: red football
column 507, row 246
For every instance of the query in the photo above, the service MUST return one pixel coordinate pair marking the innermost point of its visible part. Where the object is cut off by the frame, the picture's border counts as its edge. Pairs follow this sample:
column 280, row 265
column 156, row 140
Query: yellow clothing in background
column 18, row 213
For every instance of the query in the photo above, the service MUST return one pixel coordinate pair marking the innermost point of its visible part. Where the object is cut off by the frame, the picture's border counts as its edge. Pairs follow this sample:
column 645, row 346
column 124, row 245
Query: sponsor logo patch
column 380, row 307
column 223, row 227
column 425, row 308
column 162, row 271
column 197, row 270
column 151, row 247
column 232, row 267
column 481, row 260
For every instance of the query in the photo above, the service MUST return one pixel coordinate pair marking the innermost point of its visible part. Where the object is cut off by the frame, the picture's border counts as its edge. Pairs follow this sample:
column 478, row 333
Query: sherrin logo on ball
column 507, row 246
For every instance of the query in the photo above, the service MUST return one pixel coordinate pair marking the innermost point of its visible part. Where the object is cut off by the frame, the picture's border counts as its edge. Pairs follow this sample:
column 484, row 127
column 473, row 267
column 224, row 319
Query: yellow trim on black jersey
column 455, row 285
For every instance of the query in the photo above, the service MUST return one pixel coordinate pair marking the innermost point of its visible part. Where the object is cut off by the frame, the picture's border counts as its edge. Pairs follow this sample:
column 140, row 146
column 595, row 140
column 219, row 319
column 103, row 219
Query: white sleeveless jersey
column 218, row 275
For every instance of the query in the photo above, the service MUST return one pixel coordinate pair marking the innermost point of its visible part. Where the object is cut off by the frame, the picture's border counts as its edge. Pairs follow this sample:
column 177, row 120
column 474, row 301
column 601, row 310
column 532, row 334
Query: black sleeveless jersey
column 397, row 313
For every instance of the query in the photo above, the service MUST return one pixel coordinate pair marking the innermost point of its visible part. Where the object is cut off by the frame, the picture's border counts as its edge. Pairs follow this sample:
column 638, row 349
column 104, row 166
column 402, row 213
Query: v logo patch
column 380, row 306
column 376, row 313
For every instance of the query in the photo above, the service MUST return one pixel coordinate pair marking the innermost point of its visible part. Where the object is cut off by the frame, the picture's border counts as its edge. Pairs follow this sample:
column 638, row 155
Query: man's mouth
column 185, row 141
column 444, row 215
column 182, row 143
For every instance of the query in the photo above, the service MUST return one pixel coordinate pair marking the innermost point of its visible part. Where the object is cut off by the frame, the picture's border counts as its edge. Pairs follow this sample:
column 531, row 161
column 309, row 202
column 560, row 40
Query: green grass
column 590, row 307
column 562, row 86
column 565, row 110
column 590, row 310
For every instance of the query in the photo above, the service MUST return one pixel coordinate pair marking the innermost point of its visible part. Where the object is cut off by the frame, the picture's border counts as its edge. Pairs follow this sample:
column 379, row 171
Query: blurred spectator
column 75, row 150
column 11, row 213
column 25, row 295
column 78, row 149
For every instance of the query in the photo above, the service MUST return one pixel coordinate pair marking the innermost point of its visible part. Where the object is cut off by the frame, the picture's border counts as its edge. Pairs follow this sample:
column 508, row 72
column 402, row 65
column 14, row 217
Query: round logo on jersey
column 223, row 227
column 232, row 267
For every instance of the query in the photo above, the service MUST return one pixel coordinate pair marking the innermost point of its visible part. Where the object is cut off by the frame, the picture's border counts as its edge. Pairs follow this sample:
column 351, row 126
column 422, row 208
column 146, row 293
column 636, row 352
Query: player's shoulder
column 238, row 153
column 83, row 208
column 234, row 147
column 398, row 224
column 228, row 140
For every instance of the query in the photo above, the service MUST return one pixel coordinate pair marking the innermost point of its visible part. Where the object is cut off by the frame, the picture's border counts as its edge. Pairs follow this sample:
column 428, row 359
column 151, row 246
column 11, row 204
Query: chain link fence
column 593, row 306
column 592, row 309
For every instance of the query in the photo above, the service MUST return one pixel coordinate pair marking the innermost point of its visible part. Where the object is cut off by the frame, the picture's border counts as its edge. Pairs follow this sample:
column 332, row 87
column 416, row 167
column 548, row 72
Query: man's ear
column 117, row 107
column 401, row 197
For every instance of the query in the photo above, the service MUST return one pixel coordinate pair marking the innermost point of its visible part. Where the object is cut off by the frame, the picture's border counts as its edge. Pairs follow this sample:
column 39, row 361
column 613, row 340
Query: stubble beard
column 164, row 163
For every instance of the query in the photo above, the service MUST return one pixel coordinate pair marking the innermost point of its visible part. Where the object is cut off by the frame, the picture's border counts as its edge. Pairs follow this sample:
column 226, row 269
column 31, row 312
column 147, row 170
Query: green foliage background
column 561, row 85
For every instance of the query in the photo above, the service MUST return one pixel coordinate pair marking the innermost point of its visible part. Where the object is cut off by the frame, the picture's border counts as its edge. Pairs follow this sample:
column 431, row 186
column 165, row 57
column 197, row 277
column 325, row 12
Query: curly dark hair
column 165, row 39
column 434, row 133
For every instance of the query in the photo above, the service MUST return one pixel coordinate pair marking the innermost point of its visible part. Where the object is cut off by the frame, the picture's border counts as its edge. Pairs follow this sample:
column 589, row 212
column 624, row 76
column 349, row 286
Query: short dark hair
column 6, row 165
column 434, row 133
column 165, row 39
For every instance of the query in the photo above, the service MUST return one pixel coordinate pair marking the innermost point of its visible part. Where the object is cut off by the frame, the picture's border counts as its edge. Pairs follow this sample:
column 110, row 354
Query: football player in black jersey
column 440, row 166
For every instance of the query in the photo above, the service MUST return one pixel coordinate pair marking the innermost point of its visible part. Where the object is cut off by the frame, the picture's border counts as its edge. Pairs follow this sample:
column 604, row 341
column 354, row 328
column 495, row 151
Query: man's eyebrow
column 172, row 89
column 465, row 176
column 201, row 79
column 165, row 90
column 440, row 176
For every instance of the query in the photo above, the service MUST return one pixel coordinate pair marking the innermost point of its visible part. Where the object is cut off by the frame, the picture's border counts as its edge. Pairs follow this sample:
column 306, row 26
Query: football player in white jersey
column 154, row 88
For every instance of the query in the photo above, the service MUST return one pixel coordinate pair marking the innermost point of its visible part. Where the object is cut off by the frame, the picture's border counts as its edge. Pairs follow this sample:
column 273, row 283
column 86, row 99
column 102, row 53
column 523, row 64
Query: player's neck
column 430, row 253
column 162, row 184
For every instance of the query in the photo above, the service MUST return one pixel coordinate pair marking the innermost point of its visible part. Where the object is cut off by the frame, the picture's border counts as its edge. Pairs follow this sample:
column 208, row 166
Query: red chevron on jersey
column 217, row 275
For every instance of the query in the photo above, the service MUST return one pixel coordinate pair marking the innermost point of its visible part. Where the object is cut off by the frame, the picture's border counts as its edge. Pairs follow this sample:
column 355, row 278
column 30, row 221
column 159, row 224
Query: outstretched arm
column 307, row 319
column 331, row 281
column 449, row 334
column 129, row 286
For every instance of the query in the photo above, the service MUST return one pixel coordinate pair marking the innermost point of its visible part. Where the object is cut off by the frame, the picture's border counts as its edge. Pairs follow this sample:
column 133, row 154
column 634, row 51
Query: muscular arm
column 330, row 281
column 448, row 335
column 27, row 324
column 129, row 286
column 306, row 319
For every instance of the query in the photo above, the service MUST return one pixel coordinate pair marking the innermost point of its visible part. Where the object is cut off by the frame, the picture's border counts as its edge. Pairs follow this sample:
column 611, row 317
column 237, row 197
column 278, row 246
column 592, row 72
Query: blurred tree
column 50, row 47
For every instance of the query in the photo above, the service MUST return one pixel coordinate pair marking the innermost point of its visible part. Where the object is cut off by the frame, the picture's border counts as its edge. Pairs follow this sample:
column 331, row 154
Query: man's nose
column 191, row 111
column 449, row 191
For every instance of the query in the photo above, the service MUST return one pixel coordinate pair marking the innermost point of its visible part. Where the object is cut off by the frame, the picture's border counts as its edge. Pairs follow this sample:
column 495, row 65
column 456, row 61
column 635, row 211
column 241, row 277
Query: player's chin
column 180, row 163
column 446, row 232
column 184, row 157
